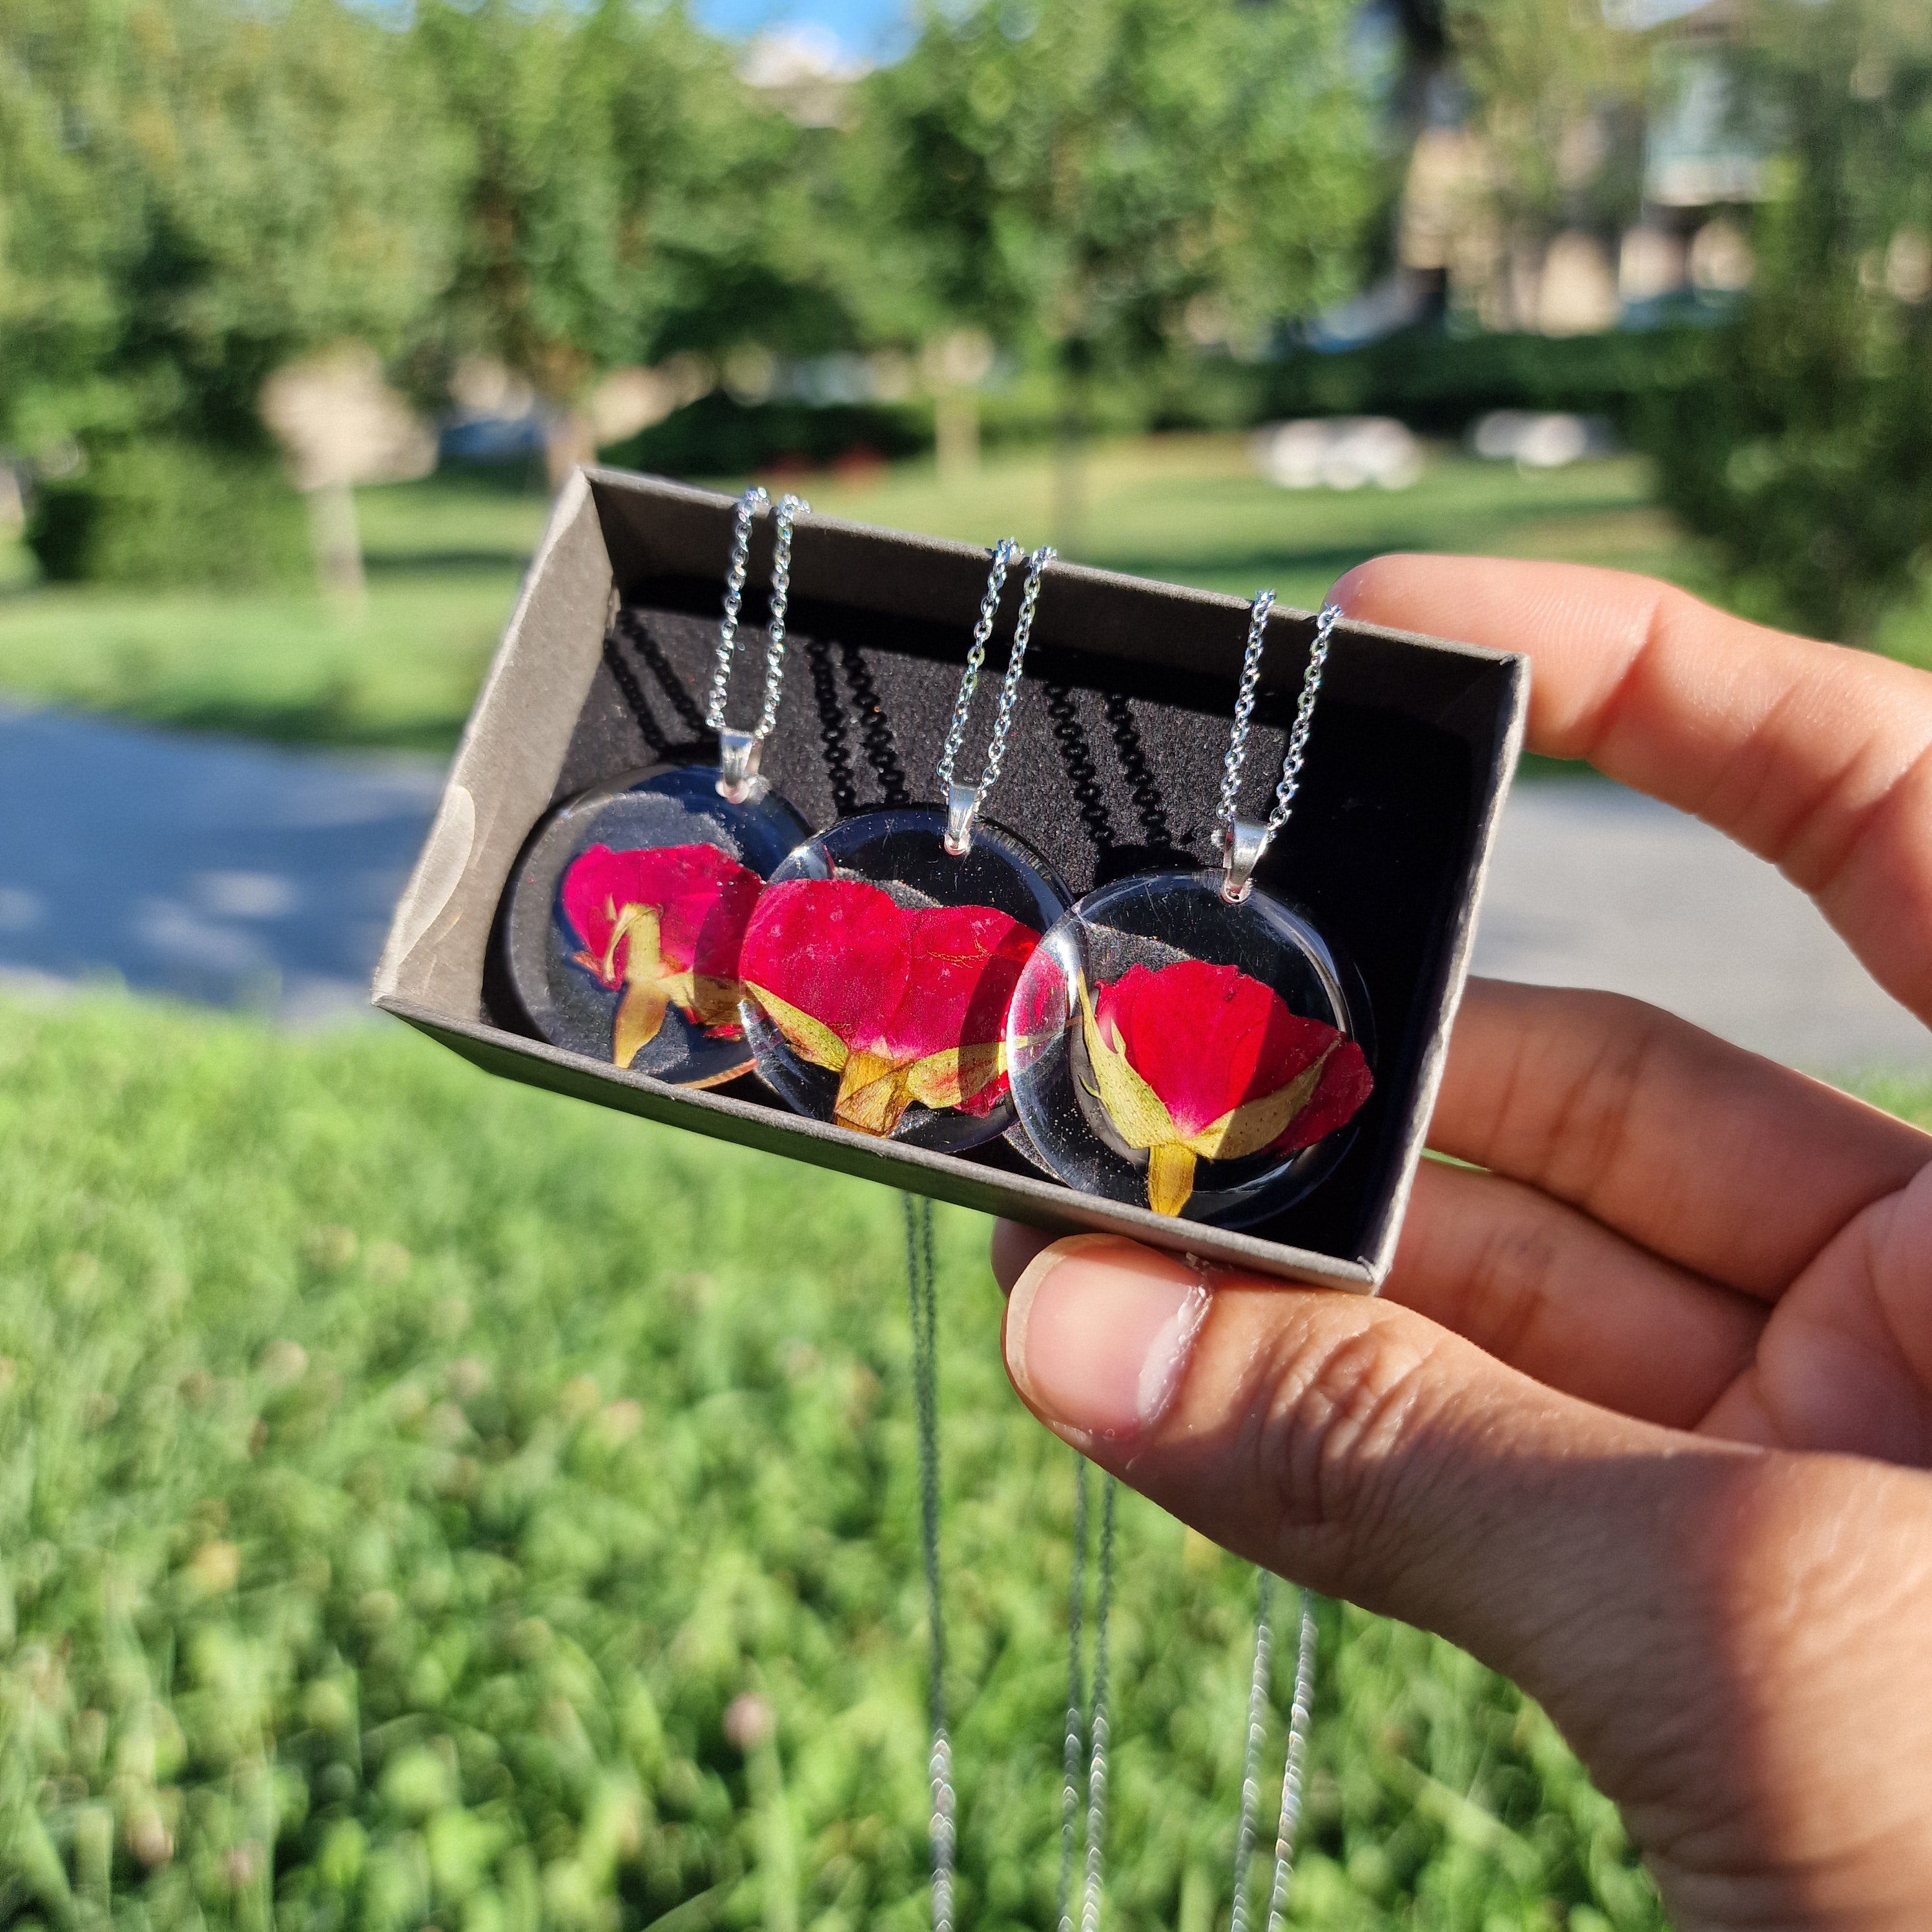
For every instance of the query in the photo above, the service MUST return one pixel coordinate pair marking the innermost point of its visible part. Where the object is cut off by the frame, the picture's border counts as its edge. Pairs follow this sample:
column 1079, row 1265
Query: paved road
column 1594, row 886
column 237, row 874
column 247, row 875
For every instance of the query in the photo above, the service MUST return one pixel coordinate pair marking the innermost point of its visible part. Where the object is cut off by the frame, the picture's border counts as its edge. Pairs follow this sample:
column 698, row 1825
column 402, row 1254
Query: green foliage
column 620, row 190
column 1556, row 94
column 1083, row 172
column 165, row 513
column 401, row 1473
column 189, row 195
column 718, row 436
column 1800, row 447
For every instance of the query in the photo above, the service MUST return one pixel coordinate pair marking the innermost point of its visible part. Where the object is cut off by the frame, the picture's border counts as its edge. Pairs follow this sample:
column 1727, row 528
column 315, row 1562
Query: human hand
column 1640, row 1416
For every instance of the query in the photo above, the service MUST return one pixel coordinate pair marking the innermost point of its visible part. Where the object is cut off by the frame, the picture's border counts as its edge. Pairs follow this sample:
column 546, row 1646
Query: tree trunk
column 337, row 538
column 955, row 435
column 1069, row 453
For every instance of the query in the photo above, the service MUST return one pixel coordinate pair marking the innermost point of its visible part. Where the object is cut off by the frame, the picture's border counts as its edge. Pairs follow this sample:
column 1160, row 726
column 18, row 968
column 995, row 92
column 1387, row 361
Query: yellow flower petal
column 951, row 1079
column 1135, row 1109
column 810, row 1039
column 872, row 1095
column 1247, row 1128
column 1170, row 1177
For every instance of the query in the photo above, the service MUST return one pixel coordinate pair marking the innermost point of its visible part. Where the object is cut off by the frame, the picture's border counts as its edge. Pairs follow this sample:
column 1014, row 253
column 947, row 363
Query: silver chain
column 1251, row 1756
column 1096, row 1756
column 789, row 508
column 1004, row 552
column 1244, row 712
column 1294, row 1769
column 922, row 1302
column 1076, row 1699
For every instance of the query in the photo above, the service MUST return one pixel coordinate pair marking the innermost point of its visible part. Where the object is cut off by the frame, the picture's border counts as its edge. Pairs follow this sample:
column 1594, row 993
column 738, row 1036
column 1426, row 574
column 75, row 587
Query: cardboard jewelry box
column 1114, row 767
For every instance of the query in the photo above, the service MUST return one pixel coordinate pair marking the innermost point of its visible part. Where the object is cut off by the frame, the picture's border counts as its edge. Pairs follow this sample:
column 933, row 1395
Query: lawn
column 444, row 557
column 405, row 1471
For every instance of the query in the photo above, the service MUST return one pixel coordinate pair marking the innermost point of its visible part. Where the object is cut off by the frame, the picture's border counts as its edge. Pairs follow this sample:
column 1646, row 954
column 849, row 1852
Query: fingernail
column 1098, row 1333
column 1341, row 591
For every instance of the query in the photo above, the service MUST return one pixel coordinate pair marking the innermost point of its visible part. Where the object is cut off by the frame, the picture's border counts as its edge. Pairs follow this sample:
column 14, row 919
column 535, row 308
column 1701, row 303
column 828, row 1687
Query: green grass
column 444, row 559
column 401, row 1472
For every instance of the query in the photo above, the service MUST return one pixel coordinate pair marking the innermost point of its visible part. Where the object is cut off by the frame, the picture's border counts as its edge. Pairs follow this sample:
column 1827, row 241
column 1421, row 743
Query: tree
column 1556, row 96
column 623, row 195
column 1101, row 178
column 1802, row 448
column 192, row 193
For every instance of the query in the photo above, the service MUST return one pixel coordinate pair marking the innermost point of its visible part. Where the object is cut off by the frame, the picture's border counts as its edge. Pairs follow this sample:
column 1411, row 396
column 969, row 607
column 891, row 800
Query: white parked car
column 1339, row 453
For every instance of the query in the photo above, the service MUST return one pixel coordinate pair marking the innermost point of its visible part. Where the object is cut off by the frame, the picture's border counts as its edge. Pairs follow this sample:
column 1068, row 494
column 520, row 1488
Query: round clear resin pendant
column 877, row 969
column 1171, row 1050
column 625, row 917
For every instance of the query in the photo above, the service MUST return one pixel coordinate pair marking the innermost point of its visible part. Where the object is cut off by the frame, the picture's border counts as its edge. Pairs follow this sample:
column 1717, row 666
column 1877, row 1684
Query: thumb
column 1355, row 1446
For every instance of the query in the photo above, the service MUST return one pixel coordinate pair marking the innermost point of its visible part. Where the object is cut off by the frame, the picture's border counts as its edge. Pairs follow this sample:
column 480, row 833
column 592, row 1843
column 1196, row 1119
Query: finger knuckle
column 1345, row 1404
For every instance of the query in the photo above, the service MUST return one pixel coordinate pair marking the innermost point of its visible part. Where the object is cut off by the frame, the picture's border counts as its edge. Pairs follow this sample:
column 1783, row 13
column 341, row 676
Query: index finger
column 1814, row 757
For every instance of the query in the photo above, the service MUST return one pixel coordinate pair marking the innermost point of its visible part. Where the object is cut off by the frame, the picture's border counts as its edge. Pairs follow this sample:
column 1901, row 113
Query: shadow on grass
column 449, row 562
column 328, row 720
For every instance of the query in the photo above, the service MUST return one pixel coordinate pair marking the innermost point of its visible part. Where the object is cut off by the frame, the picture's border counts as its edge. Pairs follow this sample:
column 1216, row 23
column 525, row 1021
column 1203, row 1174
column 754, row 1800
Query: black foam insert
column 1114, row 767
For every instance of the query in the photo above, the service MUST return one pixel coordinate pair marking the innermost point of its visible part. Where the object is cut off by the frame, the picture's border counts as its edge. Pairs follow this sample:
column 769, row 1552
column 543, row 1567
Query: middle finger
column 1718, row 1159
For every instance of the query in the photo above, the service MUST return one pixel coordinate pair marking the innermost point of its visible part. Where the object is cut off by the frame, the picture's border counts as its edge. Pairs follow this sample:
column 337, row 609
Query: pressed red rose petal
column 837, row 949
column 965, row 962
column 1345, row 1084
column 904, row 1003
column 1208, row 1038
column 702, row 897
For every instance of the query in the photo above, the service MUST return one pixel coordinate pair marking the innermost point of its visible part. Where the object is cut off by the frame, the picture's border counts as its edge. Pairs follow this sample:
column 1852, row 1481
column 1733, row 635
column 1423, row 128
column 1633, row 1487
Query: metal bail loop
column 1241, row 852
column 738, row 755
column 962, row 814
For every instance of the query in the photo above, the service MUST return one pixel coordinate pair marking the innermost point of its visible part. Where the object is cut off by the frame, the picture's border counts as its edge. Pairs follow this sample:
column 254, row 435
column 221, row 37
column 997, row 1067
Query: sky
column 863, row 27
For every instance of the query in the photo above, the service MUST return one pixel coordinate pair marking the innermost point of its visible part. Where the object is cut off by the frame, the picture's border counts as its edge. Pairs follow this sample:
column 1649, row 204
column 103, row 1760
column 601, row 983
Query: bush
column 166, row 513
column 716, row 436
column 1800, row 445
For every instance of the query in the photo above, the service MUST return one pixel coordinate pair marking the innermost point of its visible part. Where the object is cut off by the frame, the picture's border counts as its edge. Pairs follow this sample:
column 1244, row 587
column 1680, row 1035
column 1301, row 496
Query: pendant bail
column 738, row 755
column 962, row 816
column 1242, row 846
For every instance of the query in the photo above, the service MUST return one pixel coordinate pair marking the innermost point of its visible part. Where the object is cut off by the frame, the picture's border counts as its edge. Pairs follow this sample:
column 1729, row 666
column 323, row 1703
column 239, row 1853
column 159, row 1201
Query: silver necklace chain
column 922, row 1304
column 789, row 508
column 964, row 802
column 1097, row 1757
column 1242, row 843
column 1076, row 1716
column 1079, row 1720
column 1295, row 1766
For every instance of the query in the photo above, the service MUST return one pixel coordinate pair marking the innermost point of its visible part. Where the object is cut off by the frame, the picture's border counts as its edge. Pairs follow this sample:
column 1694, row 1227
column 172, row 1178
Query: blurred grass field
column 403, row 1472
column 444, row 558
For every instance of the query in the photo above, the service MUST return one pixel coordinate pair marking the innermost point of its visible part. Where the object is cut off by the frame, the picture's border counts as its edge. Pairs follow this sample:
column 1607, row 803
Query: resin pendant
column 1171, row 1049
column 877, row 969
column 626, row 914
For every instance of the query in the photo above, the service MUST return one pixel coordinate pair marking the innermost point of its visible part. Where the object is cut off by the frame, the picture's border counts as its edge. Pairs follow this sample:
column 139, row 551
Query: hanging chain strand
column 1244, row 712
column 1251, row 1756
column 790, row 507
column 923, row 1301
column 1004, row 552
column 1070, row 1784
column 1294, row 1770
column 1096, row 1762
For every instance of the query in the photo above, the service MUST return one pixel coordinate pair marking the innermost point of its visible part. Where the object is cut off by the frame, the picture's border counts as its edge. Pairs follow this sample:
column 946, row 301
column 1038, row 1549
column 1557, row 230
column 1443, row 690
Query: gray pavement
column 244, row 875
column 236, row 874
column 1594, row 886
